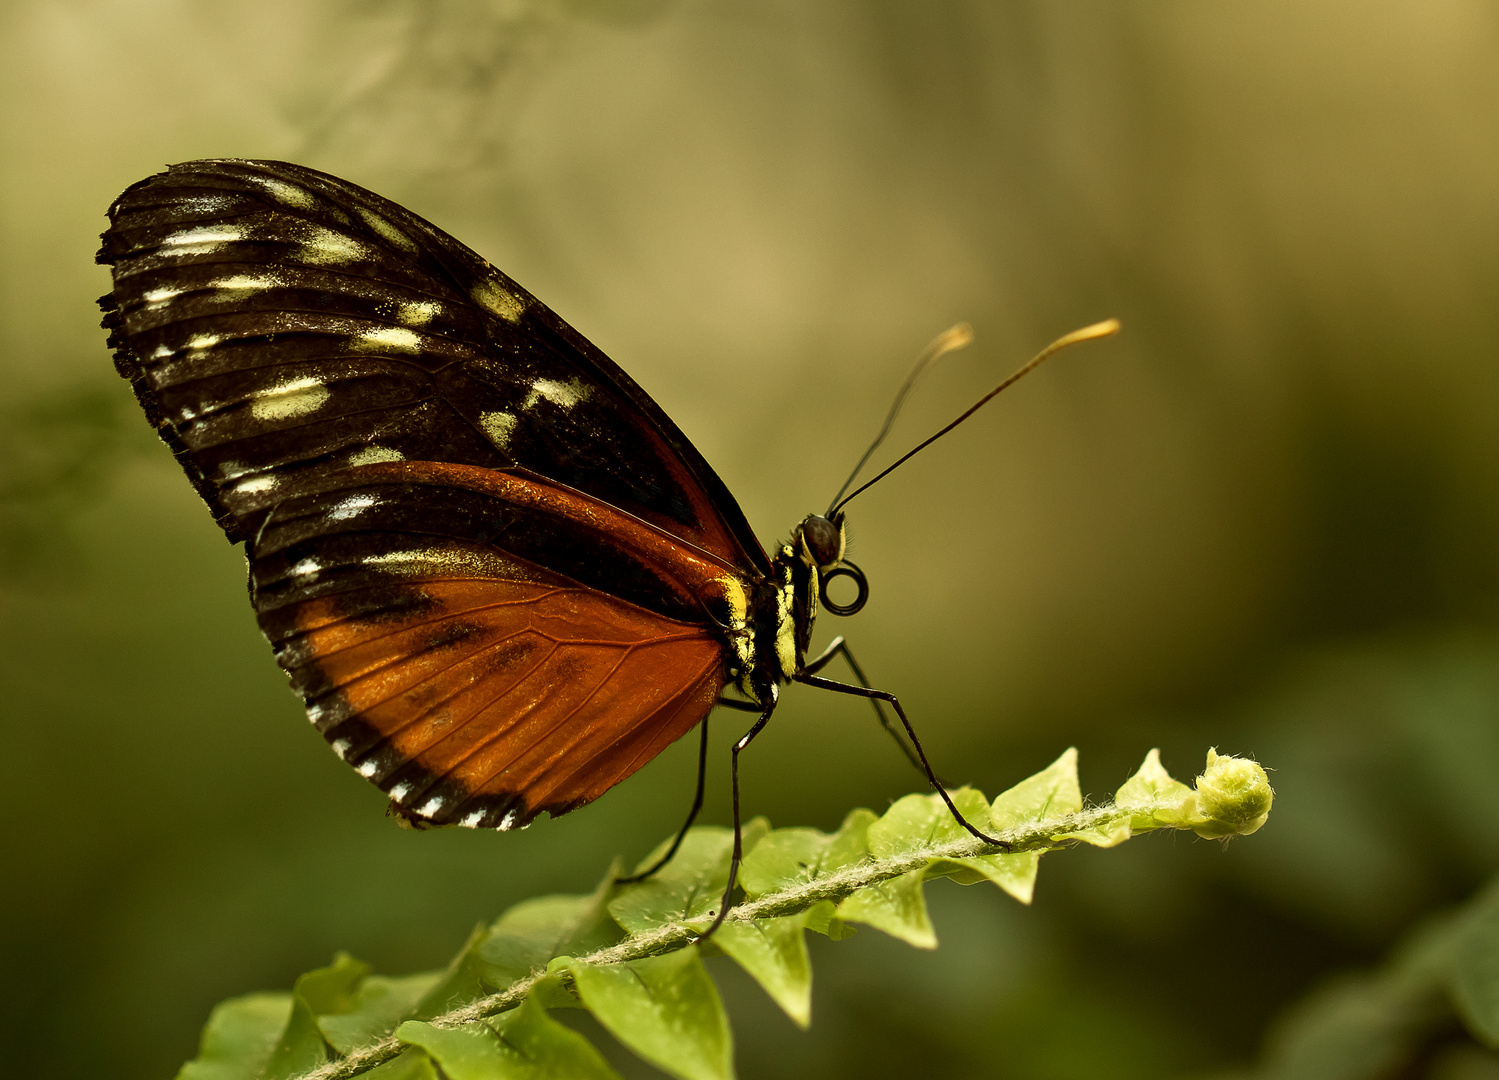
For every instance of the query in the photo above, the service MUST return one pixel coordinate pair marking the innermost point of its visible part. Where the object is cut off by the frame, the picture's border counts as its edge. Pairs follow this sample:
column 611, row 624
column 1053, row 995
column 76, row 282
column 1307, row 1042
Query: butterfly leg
column 738, row 856
column 697, row 804
column 839, row 647
column 735, row 703
column 885, row 695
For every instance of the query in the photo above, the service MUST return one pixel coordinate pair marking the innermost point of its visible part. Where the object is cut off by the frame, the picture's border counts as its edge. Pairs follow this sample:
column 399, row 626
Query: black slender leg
column 697, row 804
column 735, row 703
column 838, row 647
column 885, row 695
column 738, row 857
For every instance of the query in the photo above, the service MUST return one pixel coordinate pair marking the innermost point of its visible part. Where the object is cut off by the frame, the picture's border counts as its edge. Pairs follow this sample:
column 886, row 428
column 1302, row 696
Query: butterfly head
column 821, row 542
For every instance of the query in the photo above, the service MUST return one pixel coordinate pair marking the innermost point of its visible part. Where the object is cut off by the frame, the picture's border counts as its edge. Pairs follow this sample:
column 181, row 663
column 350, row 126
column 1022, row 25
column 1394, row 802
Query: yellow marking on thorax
column 741, row 636
column 786, row 618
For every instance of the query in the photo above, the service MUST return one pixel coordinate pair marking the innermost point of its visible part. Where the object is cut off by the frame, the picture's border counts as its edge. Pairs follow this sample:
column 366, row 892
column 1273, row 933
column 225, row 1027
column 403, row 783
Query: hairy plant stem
column 789, row 901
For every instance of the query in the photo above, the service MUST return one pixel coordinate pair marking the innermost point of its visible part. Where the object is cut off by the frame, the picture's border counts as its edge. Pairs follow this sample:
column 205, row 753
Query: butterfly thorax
column 783, row 612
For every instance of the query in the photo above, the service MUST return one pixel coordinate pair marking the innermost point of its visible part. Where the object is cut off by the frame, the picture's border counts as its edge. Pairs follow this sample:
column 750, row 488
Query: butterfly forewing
column 280, row 320
column 496, row 571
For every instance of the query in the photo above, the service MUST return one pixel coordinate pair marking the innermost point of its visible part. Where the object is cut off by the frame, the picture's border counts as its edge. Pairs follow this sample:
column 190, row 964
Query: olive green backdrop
column 1263, row 518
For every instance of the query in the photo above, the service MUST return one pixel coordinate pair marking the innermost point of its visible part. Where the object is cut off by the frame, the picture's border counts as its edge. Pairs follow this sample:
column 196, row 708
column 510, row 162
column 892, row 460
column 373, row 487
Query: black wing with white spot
column 280, row 325
column 499, row 577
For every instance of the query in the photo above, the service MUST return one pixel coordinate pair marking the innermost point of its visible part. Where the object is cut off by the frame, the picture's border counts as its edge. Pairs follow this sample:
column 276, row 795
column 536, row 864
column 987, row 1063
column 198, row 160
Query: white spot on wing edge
column 400, row 791
column 341, row 748
column 296, row 397
column 351, row 506
column 208, row 237
column 244, row 281
column 368, row 768
column 373, row 455
column 509, row 820
column 498, row 425
column 492, row 296
column 387, row 231
column 473, row 818
column 418, row 312
column 326, row 246
column 255, row 484
column 238, row 286
column 287, row 193
column 431, row 806
column 233, row 287
column 563, row 395
column 389, row 337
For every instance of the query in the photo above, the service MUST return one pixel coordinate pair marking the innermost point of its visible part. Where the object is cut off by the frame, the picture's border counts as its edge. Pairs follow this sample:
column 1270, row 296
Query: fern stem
column 789, row 901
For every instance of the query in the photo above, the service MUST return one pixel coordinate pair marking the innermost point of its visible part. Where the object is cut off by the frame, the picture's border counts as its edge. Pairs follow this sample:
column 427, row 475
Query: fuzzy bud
column 1233, row 797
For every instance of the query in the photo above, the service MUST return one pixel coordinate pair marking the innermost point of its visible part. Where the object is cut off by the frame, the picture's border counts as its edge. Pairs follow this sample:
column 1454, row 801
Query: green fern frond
column 629, row 953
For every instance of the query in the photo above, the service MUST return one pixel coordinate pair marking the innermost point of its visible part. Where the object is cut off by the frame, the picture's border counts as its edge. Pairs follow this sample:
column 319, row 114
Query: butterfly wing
column 499, row 575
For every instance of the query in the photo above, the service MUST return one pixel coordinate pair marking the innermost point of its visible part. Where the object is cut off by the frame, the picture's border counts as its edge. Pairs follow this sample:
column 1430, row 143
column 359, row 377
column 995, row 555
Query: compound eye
column 844, row 569
column 824, row 539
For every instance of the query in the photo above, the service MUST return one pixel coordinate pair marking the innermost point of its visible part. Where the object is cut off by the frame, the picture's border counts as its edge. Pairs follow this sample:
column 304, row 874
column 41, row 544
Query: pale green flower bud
column 1233, row 797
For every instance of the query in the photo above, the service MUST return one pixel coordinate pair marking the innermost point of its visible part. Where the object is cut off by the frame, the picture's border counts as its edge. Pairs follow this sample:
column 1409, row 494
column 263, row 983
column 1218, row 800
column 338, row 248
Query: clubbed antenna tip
column 956, row 338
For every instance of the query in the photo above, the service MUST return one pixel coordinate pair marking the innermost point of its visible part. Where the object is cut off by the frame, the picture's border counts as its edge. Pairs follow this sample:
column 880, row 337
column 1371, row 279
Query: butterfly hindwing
column 409, row 604
column 486, row 700
column 494, row 569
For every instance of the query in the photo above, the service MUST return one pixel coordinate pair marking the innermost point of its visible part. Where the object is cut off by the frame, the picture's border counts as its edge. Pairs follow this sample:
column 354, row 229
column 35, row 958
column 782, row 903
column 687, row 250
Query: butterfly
column 498, row 575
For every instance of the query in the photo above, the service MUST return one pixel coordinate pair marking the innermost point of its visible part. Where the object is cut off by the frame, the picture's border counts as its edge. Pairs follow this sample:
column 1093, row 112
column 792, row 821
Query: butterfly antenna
column 1087, row 333
column 950, row 340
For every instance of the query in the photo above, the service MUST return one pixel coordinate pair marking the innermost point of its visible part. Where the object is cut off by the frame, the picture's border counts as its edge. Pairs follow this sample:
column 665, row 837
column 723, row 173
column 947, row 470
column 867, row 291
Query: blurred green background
column 1264, row 518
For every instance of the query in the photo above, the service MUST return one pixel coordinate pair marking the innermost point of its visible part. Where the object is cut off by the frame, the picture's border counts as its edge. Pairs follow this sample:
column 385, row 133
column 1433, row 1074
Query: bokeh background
column 1264, row 518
